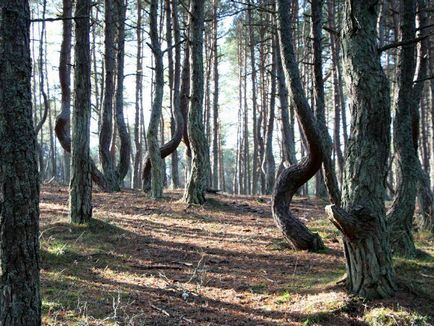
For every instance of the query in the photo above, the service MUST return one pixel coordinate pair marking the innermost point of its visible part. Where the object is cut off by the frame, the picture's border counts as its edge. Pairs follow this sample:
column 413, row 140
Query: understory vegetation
column 144, row 262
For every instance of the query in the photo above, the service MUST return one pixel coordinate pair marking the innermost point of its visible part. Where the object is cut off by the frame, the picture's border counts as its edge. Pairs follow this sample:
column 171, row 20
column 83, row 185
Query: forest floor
column 145, row 262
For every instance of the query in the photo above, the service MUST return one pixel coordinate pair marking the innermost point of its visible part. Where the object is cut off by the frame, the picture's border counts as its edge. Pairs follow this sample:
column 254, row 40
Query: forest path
column 145, row 262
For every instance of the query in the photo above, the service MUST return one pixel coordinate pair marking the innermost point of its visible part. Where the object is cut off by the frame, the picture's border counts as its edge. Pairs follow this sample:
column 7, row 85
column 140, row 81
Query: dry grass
column 144, row 262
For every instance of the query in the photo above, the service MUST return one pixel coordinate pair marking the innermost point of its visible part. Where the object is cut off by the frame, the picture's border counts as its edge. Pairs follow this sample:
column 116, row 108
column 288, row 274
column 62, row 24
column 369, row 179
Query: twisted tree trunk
column 362, row 219
column 125, row 147
column 62, row 126
column 152, row 136
column 197, row 183
column 293, row 177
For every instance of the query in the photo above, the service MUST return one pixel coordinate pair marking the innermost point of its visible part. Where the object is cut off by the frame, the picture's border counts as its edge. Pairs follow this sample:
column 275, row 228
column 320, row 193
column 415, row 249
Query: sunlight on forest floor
column 144, row 262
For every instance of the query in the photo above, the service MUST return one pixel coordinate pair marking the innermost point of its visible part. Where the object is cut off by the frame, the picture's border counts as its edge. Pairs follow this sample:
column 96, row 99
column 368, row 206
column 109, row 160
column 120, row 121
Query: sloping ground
column 144, row 262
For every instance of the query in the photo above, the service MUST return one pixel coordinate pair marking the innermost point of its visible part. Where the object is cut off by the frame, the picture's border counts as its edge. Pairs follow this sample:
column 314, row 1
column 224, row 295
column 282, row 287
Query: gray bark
column 293, row 177
column 20, row 301
column 106, row 132
column 197, row 183
column 80, row 187
column 400, row 215
column 154, row 123
column 362, row 219
column 125, row 142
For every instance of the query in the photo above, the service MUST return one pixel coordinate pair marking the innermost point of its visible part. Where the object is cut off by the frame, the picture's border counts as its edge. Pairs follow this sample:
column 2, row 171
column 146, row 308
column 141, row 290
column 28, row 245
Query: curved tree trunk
column 362, row 220
column 154, row 122
column 125, row 148
column 197, row 183
column 80, row 187
column 400, row 215
column 296, row 175
column 106, row 132
column 180, row 105
column 62, row 126
column 328, row 170
column 20, row 300
column 288, row 142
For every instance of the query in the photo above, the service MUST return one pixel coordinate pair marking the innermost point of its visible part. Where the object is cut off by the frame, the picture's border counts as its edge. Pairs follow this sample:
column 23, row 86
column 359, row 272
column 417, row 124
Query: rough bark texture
column 184, row 105
column 362, row 219
column 125, row 147
column 400, row 215
column 80, row 187
column 20, row 301
column 180, row 108
column 197, row 183
column 62, row 126
column 288, row 141
column 105, row 136
column 296, row 175
column 154, row 122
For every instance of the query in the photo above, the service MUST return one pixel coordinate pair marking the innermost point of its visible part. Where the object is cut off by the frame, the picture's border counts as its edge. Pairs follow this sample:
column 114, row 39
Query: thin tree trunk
column 80, row 188
column 106, row 137
column 139, row 83
column 152, row 136
column 215, row 141
column 197, row 183
column 125, row 146
column 328, row 170
column 296, row 175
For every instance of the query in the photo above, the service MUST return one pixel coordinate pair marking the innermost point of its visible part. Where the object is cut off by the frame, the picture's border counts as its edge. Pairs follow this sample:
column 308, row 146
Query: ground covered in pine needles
column 145, row 262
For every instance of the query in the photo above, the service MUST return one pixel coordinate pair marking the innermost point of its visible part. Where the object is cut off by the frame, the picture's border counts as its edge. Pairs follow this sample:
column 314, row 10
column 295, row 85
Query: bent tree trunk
column 400, row 216
column 20, row 301
column 180, row 104
column 154, row 122
column 125, row 148
column 362, row 217
column 293, row 177
column 62, row 126
column 106, row 133
column 197, row 182
column 80, row 187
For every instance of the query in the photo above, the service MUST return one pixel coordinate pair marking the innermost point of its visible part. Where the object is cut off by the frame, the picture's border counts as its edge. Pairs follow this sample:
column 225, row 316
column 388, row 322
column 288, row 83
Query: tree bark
column 80, row 187
column 362, row 219
column 328, row 170
column 125, row 146
column 152, row 136
column 197, row 183
column 20, row 301
column 106, row 132
column 400, row 215
column 215, row 140
column 139, row 78
column 269, row 163
column 180, row 106
column 296, row 175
